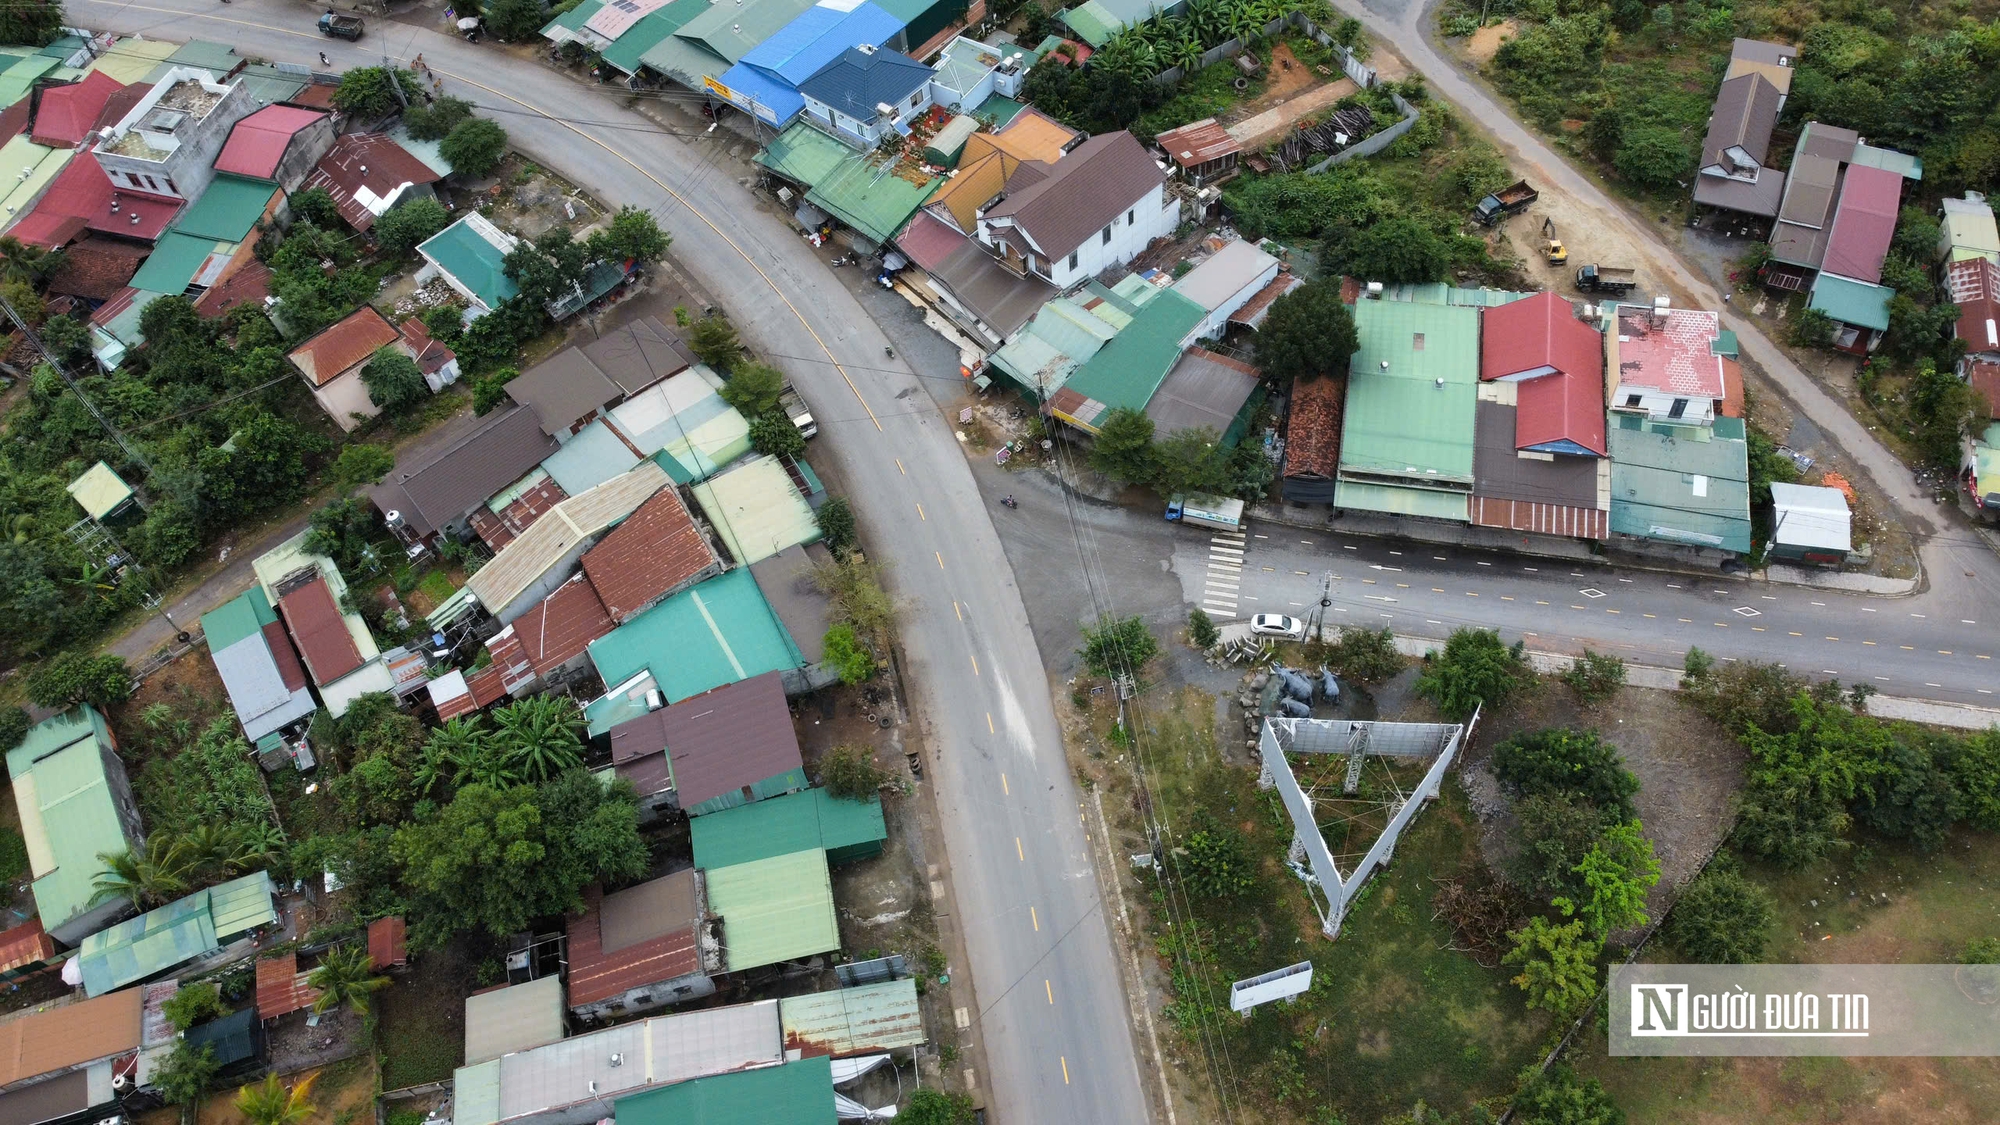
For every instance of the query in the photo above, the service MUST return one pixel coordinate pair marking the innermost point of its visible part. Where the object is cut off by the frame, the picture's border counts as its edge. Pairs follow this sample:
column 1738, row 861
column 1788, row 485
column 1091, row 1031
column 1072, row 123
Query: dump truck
column 1617, row 280
column 339, row 26
column 1219, row 512
column 795, row 409
column 1505, row 202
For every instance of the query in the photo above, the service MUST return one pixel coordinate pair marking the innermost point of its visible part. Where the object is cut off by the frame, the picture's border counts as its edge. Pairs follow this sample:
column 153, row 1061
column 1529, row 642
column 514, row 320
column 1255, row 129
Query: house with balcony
column 1098, row 207
column 168, row 143
column 867, row 92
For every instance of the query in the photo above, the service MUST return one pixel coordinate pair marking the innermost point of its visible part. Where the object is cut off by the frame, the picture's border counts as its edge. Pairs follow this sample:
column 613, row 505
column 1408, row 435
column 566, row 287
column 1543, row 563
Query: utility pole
column 395, row 81
column 35, row 338
column 1317, row 618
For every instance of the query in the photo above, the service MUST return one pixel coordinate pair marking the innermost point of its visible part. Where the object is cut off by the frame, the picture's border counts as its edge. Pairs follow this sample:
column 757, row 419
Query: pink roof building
column 278, row 142
column 1863, row 224
column 1661, row 361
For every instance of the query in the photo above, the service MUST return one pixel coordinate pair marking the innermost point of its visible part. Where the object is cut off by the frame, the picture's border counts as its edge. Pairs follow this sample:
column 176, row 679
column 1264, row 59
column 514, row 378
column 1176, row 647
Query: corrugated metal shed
column 797, row 1093
column 473, row 253
column 849, row 1021
column 1859, row 303
column 100, row 491
column 24, row 947
column 813, row 818
column 1810, row 517
column 551, row 540
column 242, row 905
column 449, row 483
column 757, row 510
column 721, row 743
column 281, row 987
column 228, row 210
column 1412, row 392
column 788, row 582
column 659, row 551
column 317, row 624
column 772, row 910
column 1202, row 389
column 237, row 618
column 517, row 1018
column 1127, row 371
column 175, row 259
column 1681, row 484
column 643, row 935
column 151, row 943
column 720, row 632
column 68, row 815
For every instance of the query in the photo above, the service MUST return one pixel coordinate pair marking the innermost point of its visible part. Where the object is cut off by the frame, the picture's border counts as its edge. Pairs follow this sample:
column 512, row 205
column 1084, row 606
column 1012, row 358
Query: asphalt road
column 1051, row 1016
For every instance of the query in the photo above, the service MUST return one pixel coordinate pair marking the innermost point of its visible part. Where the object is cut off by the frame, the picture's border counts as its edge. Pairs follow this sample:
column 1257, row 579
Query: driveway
column 1021, row 872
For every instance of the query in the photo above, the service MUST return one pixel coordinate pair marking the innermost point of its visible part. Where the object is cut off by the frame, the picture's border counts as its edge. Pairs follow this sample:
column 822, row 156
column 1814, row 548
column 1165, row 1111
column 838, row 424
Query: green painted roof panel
column 626, row 54
column 717, row 633
column 873, row 199
column 773, row 910
column 1399, row 419
column 574, row 18
column 804, row 154
column 152, row 943
column 778, row 826
column 1852, row 302
column 1126, row 371
column 242, row 905
column 175, row 259
column 234, row 620
column 1396, row 500
column 476, row 262
column 796, row 1093
column 1681, row 484
column 228, row 210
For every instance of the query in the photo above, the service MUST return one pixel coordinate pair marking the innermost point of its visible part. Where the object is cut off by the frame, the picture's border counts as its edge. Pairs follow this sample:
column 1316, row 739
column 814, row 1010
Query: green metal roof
column 228, row 210
column 1126, row 371
column 26, row 168
column 626, row 54
column 476, row 262
column 803, row 154
column 796, row 1093
column 1889, row 160
column 717, row 633
column 1681, row 484
column 175, row 259
column 68, row 811
column 1396, row 500
column 242, row 905
column 234, row 620
column 475, row 1094
column 1399, row 420
column 152, row 943
column 267, row 84
column 1000, row 108
column 794, row 822
column 1093, row 23
column 219, row 57
column 16, row 80
column 1725, row 344
column 773, row 910
column 1852, row 302
column 873, row 199
column 713, row 41
column 573, row 19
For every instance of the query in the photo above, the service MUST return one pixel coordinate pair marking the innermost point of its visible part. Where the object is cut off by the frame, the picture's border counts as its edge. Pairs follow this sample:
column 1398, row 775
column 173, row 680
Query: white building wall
column 1153, row 215
column 1659, row 405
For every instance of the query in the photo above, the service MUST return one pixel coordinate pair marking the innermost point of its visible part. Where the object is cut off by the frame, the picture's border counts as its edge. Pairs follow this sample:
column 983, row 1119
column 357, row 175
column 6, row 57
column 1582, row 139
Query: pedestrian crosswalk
column 1222, row 585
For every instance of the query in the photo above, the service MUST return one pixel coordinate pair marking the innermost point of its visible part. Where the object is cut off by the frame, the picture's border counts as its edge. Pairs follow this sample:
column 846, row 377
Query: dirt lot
column 1485, row 43
column 422, row 1016
column 1686, row 765
column 342, row 1094
column 190, row 687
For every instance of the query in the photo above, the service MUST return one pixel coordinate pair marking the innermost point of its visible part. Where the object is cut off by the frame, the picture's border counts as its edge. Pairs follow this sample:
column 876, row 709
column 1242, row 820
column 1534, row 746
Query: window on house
column 134, row 177
column 1680, row 407
column 1105, row 235
column 1416, row 341
column 1633, row 400
column 915, row 98
column 1072, row 259
column 1132, row 217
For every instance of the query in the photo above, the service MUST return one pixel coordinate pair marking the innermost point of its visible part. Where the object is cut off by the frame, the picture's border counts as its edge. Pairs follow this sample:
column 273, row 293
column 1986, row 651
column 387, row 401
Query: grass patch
column 436, row 586
column 1394, row 1014
column 13, row 855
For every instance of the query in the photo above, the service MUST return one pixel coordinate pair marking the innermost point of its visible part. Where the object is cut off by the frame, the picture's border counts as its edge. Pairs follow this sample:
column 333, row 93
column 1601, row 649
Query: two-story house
column 167, row 145
column 867, row 92
column 1662, row 362
column 1097, row 207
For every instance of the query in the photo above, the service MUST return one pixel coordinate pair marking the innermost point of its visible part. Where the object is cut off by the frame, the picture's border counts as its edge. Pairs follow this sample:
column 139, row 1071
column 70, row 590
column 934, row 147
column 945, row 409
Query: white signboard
column 1279, row 984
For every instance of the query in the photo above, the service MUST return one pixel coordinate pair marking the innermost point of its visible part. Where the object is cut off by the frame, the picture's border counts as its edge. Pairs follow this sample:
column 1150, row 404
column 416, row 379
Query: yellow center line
column 1437, row 589
column 1505, row 598
column 940, row 558
column 1402, row 585
column 921, row 515
column 1003, row 786
column 1685, row 620
column 1982, row 658
column 958, row 611
column 1648, row 615
column 1576, row 607
column 1944, row 652
column 975, row 663
column 1613, row 611
column 1870, row 644
column 1722, row 624
column 1833, row 638
column 1065, row 1062
column 1470, row 594
column 1907, row 648
column 1035, row 918
column 1756, row 628
column 1021, row 855
column 1050, row 989
column 1541, row 603
column 989, row 726
column 899, row 466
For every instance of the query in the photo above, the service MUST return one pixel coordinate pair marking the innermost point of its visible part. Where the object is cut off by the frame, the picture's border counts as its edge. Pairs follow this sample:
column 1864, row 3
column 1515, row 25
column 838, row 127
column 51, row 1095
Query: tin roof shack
column 438, row 492
column 63, row 1055
column 756, row 509
column 1539, row 460
column 566, row 391
column 1662, row 363
column 331, row 362
column 470, row 255
column 1966, row 230
column 550, row 642
column 1127, row 371
column 720, row 632
column 25, row 950
column 340, row 653
column 1682, row 487
column 787, row 581
column 774, row 910
column 1973, row 285
column 162, row 940
column 168, row 144
column 810, row 818
column 853, row 1021
column 1407, row 434
column 1226, row 281
column 259, row 668
column 1810, row 524
column 521, row 1017
column 102, row 493
column 573, row 1080
column 1203, row 151
column 655, row 554
column 539, row 561
column 796, row 1093
column 643, row 948
column 279, row 142
column 723, row 748
column 74, row 802
column 369, row 174
column 1848, row 287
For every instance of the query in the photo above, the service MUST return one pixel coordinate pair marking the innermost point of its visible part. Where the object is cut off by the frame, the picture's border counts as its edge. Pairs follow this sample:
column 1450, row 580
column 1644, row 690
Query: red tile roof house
column 1539, row 461
column 551, row 641
column 643, row 948
column 332, row 362
column 279, row 142
column 1312, row 438
column 367, row 174
column 65, row 115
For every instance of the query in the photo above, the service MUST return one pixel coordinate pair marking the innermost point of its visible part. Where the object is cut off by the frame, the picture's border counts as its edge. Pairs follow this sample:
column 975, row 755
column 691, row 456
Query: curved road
column 1052, row 1013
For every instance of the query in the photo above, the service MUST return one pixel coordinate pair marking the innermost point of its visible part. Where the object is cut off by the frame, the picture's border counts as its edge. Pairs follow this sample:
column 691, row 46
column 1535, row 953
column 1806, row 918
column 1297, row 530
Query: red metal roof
column 47, row 229
column 485, row 687
column 387, row 946
column 14, row 121
column 258, row 142
column 1538, row 334
column 730, row 738
column 560, row 626
column 371, row 161
column 343, row 345
column 668, row 945
column 25, row 945
column 1556, row 408
column 120, row 104
column 1197, row 143
column 315, row 95
column 249, row 282
column 1252, row 313
column 656, row 552
column 83, row 190
column 1974, row 286
column 1863, row 224
column 320, row 631
column 512, row 660
column 1541, row 518
column 428, row 352
column 281, row 987
column 68, row 113
column 928, row 241
column 1672, row 352
column 285, row 656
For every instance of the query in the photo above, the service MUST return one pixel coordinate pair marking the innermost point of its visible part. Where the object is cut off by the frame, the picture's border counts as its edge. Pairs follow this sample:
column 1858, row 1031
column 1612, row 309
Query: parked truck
column 795, row 409
column 1617, row 280
column 339, row 26
column 1218, row 512
column 1505, row 202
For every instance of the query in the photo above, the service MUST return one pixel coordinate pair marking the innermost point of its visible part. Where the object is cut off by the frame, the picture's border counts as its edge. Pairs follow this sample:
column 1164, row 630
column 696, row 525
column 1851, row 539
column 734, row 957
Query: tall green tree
column 1475, row 667
column 1558, row 965
column 713, row 341
column 1308, row 334
column 1117, row 646
column 1617, row 872
column 474, row 147
column 435, row 120
column 400, row 230
column 541, row 736
column 365, row 94
column 346, row 977
column 34, row 23
column 394, row 381
column 1396, row 250
column 1123, row 447
column 632, row 235
column 753, row 389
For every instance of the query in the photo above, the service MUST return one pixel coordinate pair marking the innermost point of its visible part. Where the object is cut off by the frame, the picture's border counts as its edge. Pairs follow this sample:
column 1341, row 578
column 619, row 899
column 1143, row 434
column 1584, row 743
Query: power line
column 61, row 369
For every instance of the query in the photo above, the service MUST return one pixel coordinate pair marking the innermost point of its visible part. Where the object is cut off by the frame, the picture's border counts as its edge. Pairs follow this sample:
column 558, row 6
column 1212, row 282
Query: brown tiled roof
column 281, row 987
column 649, row 775
column 1089, row 187
column 561, row 626
column 501, row 528
column 430, row 354
column 640, row 354
column 656, row 552
column 342, row 345
column 387, row 944
column 14, row 120
column 316, row 95
column 320, row 631
column 370, row 160
column 69, row 1035
column 458, row 478
column 1253, row 310
column 97, row 269
column 644, row 935
column 1312, row 433
column 284, row 655
column 248, row 283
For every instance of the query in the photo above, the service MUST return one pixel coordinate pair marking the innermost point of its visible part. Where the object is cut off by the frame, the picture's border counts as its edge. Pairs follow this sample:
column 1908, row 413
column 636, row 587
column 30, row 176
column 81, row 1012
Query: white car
column 1278, row 625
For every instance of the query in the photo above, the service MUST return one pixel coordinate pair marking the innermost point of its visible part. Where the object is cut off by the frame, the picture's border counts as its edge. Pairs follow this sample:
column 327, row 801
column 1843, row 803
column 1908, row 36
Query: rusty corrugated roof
column 851, row 1021
column 643, row 935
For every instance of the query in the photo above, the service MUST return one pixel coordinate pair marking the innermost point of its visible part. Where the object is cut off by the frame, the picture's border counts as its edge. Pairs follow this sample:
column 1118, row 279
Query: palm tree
column 146, row 874
column 345, row 976
column 25, row 261
column 216, row 850
column 452, row 746
column 269, row 1103
column 539, row 736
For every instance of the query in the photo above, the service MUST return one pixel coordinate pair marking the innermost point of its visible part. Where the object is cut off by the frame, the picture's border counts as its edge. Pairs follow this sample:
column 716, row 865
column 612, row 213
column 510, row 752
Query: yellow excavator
column 1553, row 250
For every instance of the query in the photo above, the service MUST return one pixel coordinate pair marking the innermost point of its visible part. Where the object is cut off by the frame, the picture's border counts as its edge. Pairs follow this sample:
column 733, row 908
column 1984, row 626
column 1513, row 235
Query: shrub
column 475, row 147
column 435, row 121
column 1721, row 918
column 1201, row 630
column 193, row 1004
column 1117, row 645
column 362, row 464
column 1212, row 861
column 491, row 391
column 13, row 855
column 1476, row 667
column 1595, row 677
column 713, row 341
column 772, row 432
column 393, row 380
column 1560, row 1096
column 930, row 1106
column 315, row 206
column 76, row 677
column 753, row 389
column 402, row 228
column 187, row 1075
column 836, row 525
column 1567, row 761
column 848, row 656
column 1981, row 951
column 1558, row 965
column 1617, row 872
column 14, row 726
column 850, row 771
column 1366, row 655
column 1555, row 831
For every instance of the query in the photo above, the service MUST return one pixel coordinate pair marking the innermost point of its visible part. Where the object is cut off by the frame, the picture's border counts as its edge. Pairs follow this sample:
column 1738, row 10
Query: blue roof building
column 849, row 96
column 766, row 80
